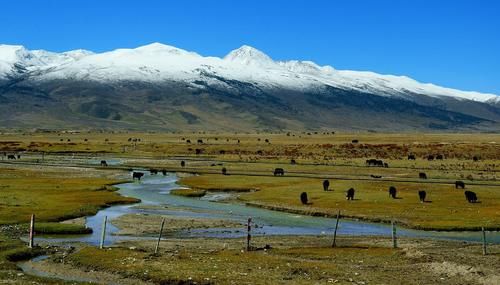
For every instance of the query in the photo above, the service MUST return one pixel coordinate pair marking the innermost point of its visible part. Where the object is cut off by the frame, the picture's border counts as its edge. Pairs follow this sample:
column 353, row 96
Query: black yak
column 470, row 196
column 279, row 171
column 459, row 184
column 392, row 192
column 137, row 175
column 422, row 175
column 350, row 194
column 303, row 198
column 421, row 195
column 326, row 185
column 104, row 163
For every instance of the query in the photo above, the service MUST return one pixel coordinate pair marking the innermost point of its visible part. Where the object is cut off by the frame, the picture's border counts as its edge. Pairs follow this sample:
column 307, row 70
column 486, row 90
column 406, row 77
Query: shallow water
column 155, row 190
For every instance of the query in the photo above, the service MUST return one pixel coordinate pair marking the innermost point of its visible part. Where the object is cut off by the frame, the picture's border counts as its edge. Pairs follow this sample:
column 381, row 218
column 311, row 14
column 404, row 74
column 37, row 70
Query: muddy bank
column 148, row 225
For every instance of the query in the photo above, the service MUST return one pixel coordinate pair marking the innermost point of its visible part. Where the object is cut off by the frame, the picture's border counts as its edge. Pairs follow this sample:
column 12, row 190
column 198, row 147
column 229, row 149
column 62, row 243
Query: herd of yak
column 470, row 196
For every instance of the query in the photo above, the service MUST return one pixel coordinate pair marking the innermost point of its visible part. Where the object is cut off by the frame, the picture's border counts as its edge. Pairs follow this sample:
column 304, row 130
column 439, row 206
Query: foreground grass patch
column 54, row 194
column 61, row 229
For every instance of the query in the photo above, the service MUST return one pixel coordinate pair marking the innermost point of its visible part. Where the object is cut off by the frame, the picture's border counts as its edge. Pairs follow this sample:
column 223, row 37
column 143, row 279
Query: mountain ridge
column 124, row 88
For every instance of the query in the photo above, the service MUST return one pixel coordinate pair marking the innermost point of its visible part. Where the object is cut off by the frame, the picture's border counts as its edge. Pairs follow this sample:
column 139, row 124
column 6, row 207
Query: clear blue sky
column 455, row 43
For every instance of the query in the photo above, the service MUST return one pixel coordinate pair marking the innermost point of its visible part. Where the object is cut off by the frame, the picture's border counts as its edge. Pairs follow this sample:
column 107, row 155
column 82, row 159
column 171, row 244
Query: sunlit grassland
column 54, row 194
column 446, row 208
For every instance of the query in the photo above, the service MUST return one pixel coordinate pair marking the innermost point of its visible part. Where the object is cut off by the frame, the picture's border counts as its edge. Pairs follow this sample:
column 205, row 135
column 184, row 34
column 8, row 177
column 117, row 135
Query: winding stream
column 154, row 190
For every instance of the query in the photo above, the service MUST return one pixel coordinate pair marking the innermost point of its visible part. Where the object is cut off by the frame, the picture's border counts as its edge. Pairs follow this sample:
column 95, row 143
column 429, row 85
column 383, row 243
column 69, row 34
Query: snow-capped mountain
column 246, row 72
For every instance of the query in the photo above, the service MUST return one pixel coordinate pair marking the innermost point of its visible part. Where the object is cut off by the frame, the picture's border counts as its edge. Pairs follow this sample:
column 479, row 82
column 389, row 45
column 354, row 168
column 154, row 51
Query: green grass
column 189, row 192
column 447, row 208
column 53, row 194
column 61, row 229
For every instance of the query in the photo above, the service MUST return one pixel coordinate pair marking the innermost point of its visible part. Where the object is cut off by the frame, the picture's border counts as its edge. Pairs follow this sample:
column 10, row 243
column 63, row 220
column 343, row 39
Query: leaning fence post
column 394, row 238
column 31, row 243
column 103, row 233
column 335, row 231
column 484, row 241
column 249, row 235
column 159, row 236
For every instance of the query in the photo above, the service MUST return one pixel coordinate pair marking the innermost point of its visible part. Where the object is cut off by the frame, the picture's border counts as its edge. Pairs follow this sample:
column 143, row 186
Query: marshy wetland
column 59, row 177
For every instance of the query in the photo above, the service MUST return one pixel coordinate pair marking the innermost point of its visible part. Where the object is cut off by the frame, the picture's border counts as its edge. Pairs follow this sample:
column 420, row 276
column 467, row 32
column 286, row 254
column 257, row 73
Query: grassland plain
column 59, row 176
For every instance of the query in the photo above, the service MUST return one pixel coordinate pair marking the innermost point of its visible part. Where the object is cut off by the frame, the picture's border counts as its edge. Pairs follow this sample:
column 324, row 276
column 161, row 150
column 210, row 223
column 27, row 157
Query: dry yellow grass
column 446, row 208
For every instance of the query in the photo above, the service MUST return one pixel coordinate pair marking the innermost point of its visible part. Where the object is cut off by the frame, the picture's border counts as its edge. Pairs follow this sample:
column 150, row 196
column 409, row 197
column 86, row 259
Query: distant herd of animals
column 470, row 196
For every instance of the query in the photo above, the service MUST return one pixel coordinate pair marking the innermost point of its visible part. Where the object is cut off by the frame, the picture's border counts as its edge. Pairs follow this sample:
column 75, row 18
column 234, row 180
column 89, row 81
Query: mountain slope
column 163, row 87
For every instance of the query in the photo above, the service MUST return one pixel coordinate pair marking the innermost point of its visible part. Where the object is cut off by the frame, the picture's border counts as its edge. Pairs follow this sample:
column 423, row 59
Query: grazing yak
column 350, row 194
column 326, row 185
column 137, row 175
column 293, row 161
column 392, row 192
column 355, row 141
column 153, row 171
column 224, row 171
column 104, row 163
column 439, row 157
column 376, row 176
column 421, row 195
column 183, row 163
column 411, row 157
column 164, row 172
column 430, row 157
column 374, row 162
column 422, row 175
column 11, row 156
column 470, row 196
column 279, row 171
column 459, row 184
column 303, row 198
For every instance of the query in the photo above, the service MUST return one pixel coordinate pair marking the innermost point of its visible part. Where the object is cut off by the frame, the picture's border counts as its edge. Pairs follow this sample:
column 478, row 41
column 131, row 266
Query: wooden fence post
column 103, row 233
column 159, row 236
column 394, row 238
column 335, row 231
column 484, row 241
column 249, row 235
column 31, row 243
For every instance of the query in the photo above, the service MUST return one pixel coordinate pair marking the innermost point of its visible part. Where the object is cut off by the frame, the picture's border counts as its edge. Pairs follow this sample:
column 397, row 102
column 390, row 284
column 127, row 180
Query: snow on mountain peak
column 248, row 55
column 159, row 62
column 159, row 48
column 12, row 53
column 307, row 67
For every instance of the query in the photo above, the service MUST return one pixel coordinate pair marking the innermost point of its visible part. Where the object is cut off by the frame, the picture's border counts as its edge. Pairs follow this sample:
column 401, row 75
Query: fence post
column 335, row 231
column 159, row 236
column 103, row 233
column 249, row 235
column 484, row 241
column 394, row 238
column 31, row 243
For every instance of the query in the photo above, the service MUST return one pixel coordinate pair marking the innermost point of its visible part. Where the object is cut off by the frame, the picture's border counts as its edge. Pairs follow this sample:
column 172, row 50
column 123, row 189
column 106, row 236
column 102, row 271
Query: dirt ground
column 289, row 260
column 146, row 224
